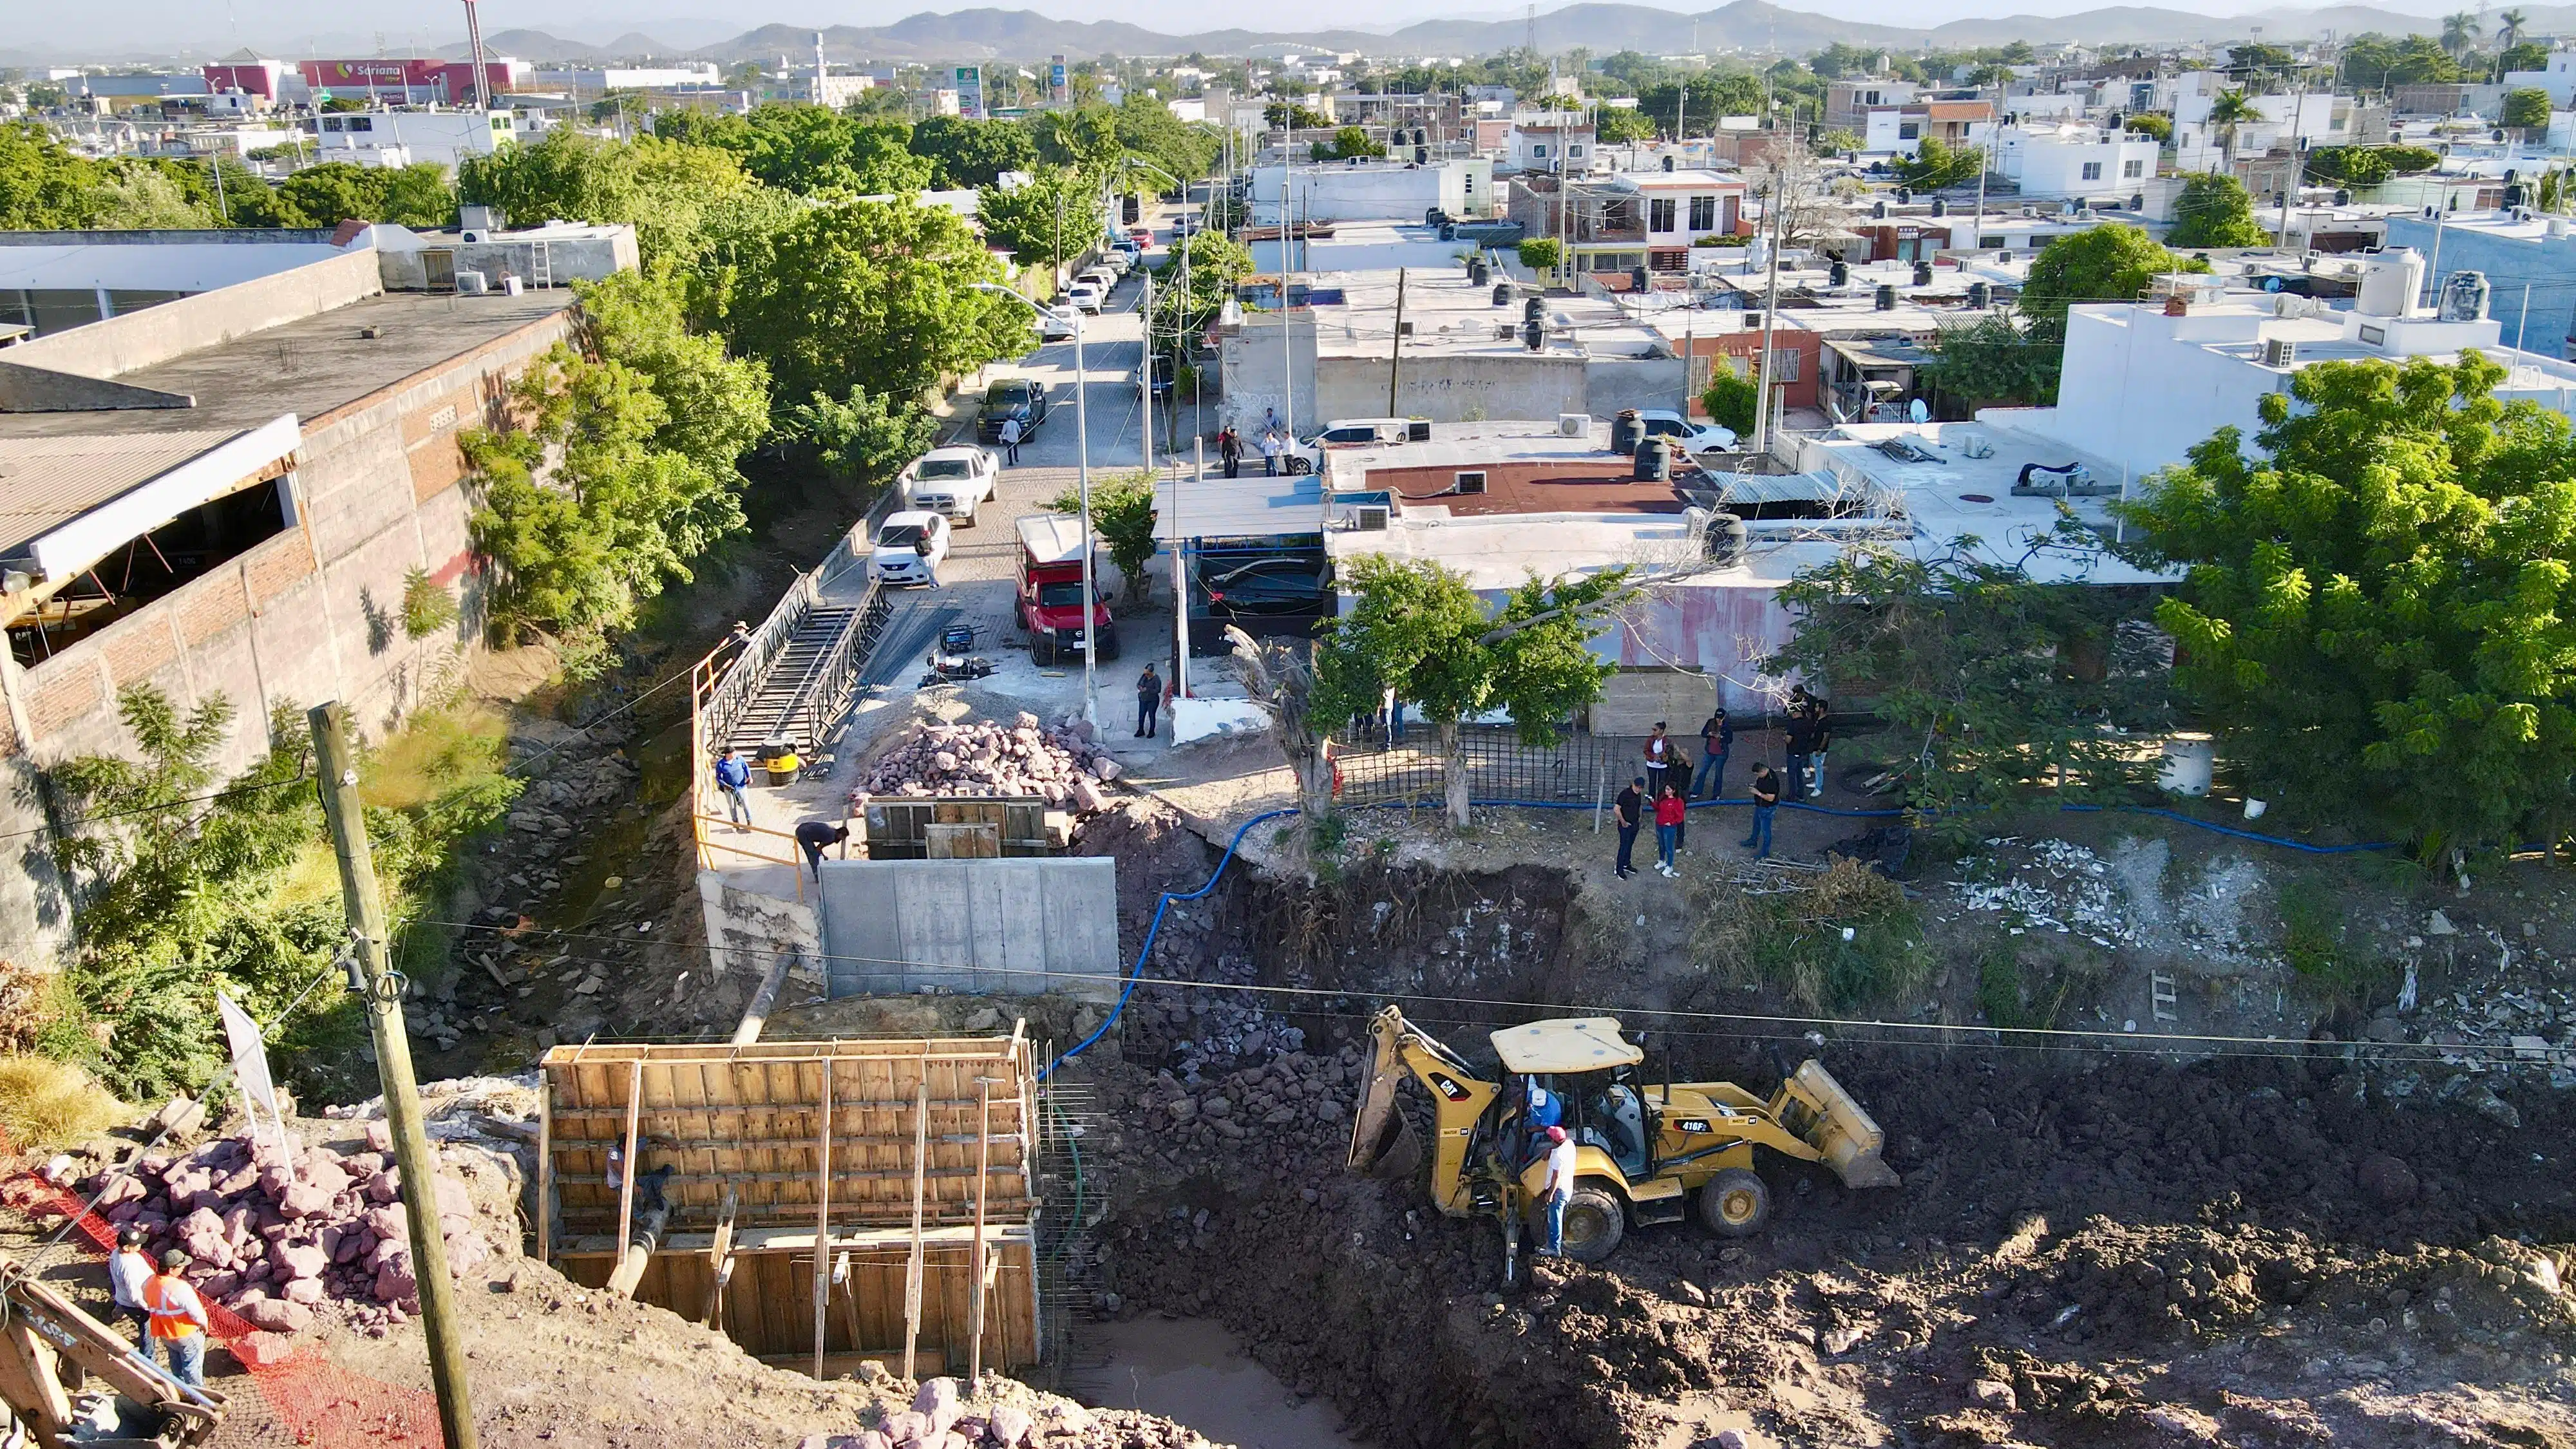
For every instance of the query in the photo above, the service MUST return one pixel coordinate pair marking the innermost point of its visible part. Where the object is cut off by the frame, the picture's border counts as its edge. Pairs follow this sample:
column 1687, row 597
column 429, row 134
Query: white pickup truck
column 952, row 482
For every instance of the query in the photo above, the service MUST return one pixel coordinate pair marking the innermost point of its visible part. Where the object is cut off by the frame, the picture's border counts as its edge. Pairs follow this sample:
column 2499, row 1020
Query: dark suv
column 1012, row 397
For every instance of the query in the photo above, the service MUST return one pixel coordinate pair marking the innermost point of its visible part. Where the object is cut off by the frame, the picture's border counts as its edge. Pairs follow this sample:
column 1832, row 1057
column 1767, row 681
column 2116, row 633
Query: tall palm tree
column 2230, row 110
column 2460, row 31
column 2509, row 24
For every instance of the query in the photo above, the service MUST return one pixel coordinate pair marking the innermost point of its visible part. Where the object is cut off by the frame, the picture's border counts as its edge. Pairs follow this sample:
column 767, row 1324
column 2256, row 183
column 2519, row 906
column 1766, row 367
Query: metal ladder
column 789, row 700
column 542, row 265
column 2161, row 997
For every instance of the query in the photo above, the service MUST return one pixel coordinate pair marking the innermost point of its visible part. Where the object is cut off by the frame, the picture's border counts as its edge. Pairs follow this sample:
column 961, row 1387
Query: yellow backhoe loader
column 1643, row 1151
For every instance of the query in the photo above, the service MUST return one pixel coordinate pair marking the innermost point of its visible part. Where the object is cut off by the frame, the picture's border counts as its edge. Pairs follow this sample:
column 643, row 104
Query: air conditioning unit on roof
column 1573, row 425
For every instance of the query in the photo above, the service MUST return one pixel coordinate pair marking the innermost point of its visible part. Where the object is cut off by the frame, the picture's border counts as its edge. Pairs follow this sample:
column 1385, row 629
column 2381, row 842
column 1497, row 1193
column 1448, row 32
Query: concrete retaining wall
column 972, row 926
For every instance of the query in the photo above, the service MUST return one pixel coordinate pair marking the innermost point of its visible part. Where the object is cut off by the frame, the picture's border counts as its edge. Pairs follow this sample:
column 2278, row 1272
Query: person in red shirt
column 1668, row 823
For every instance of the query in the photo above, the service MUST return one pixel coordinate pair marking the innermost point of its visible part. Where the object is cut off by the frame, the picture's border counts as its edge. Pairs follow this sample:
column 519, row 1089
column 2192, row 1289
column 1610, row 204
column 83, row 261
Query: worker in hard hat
column 178, row 1320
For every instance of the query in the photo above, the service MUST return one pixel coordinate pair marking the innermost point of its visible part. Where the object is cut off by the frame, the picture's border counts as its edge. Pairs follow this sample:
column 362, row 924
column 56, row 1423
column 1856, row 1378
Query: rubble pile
column 1010, row 1415
column 1276, row 1115
column 273, row 1237
column 1062, row 762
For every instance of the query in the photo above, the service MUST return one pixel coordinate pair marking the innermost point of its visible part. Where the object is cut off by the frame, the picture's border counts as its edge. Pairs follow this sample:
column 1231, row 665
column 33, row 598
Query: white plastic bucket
column 2189, row 759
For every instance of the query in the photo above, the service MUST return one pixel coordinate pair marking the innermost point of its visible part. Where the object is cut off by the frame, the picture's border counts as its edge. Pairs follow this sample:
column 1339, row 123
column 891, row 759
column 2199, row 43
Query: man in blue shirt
column 732, row 774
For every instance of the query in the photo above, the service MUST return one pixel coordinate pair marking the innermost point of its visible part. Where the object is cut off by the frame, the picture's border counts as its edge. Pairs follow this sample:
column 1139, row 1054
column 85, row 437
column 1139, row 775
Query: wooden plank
column 720, row 1259
column 912, row 1274
column 975, row 1294
column 626, row 1177
column 822, row 1218
column 545, row 1169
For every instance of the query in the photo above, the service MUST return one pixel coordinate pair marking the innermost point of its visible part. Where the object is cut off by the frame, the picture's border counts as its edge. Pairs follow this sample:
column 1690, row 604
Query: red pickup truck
column 1050, row 601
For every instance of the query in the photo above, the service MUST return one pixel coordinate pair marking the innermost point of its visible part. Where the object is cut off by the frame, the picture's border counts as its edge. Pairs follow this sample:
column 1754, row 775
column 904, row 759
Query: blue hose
column 1136, row 972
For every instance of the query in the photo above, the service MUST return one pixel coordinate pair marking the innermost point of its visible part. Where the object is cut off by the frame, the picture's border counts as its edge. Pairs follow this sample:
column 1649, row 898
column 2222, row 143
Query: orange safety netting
column 319, row 1402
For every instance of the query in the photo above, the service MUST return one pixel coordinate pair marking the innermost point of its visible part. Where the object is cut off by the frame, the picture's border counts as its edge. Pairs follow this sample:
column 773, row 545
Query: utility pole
column 384, row 991
column 1395, row 359
column 1770, row 303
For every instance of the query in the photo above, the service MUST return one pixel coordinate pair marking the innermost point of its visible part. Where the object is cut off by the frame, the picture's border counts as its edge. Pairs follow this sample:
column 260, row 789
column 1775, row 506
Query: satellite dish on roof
column 1918, row 412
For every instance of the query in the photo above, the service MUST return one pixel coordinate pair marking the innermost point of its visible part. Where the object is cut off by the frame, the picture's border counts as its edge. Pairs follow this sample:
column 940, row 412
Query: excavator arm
column 43, row 1328
column 1380, row 1140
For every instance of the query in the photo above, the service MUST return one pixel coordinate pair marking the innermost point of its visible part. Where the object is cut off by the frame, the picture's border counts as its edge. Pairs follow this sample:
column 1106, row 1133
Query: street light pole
column 1082, row 476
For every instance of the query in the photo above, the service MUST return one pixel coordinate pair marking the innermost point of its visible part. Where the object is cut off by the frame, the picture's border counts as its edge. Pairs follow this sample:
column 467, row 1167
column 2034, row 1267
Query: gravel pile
column 1062, row 762
column 274, row 1244
column 1273, row 1117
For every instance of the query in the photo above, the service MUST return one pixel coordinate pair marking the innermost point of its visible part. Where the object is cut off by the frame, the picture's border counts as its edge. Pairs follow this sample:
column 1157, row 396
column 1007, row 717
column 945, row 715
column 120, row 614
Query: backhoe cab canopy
column 1569, row 1044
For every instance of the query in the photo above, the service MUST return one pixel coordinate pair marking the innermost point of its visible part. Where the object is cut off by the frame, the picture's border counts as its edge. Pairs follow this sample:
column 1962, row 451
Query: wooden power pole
column 418, row 1164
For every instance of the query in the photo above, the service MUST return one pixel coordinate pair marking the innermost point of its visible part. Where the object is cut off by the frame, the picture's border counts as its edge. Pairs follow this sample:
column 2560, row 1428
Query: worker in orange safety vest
column 178, row 1320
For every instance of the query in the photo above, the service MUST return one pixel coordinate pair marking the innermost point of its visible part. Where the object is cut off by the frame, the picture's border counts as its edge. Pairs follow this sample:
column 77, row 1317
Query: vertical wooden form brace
column 975, row 1288
column 920, row 1178
column 823, row 1219
column 545, row 1169
column 626, row 1172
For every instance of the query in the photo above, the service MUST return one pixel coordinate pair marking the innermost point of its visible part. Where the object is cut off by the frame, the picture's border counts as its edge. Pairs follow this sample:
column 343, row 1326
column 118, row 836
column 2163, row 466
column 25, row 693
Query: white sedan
column 910, row 546
column 1055, row 323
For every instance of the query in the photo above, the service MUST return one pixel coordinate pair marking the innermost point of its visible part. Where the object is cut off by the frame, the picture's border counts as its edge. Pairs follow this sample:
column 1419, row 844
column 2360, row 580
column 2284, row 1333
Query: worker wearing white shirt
column 127, row 1271
column 1559, row 1189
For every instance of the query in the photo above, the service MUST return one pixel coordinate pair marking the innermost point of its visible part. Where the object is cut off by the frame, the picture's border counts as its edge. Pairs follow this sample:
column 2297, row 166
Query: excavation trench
column 2086, row 1246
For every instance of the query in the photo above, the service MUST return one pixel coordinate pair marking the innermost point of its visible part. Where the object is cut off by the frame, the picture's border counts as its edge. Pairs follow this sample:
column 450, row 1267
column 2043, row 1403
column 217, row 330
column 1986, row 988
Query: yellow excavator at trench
column 1644, row 1152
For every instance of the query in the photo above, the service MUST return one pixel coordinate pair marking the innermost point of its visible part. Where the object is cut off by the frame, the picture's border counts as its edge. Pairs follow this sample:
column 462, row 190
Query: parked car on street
column 1284, row 585
column 951, row 482
column 910, row 546
column 1085, row 296
column 1050, row 605
column 1012, row 397
column 1055, row 322
column 1101, row 277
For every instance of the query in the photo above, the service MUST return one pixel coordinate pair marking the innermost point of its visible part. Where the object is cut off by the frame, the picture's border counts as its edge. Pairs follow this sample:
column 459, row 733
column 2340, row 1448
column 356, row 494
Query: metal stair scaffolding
column 800, row 693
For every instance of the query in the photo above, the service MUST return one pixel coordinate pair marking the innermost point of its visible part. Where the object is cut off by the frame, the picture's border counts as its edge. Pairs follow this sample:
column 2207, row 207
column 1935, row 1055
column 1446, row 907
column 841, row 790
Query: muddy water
column 1193, row 1372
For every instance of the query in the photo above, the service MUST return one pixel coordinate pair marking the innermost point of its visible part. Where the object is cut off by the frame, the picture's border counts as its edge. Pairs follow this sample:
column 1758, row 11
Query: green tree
column 1540, row 253
column 1732, row 400
column 1053, row 217
column 2525, row 55
column 337, row 191
column 1284, row 115
column 1146, row 129
column 625, row 473
column 2110, row 263
column 1992, row 362
column 973, row 153
column 2228, row 111
column 1349, row 142
column 1838, row 142
column 2150, row 123
column 1212, row 263
column 2009, row 690
column 863, row 439
column 1122, row 513
column 2460, row 32
column 1934, row 166
column 2526, row 109
column 1417, row 628
column 1085, row 138
column 665, row 189
column 2379, row 62
column 2215, row 211
column 862, row 292
column 1620, row 125
column 2377, row 610
column 2350, row 165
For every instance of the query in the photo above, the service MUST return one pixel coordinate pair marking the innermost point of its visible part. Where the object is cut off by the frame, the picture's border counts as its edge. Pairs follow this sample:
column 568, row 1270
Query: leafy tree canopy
column 1052, row 218
column 973, row 153
column 866, row 292
column 2215, row 211
column 806, row 148
column 864, row 438
column 1991, row 362
column 2378, row 610
column 664, row 189
column 2111, row 263
column 1934, row 165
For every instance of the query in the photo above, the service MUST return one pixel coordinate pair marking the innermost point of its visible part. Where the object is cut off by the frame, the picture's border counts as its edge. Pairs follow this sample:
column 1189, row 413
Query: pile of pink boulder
column 273, row 1244
column 1062, row 762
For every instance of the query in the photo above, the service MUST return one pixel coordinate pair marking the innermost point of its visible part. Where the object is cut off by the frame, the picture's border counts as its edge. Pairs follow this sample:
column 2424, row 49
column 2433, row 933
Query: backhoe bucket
column 1846, row 1139
column 1382, row 1142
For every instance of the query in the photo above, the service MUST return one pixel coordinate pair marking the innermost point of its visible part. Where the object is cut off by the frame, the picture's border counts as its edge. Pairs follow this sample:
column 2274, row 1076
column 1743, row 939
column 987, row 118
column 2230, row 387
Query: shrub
column 1539, row 253
column 49, row 1104
column 1793, row 941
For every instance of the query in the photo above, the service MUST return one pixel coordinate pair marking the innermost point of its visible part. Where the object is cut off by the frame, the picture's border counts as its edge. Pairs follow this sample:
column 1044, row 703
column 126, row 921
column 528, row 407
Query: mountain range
column 1743, row 25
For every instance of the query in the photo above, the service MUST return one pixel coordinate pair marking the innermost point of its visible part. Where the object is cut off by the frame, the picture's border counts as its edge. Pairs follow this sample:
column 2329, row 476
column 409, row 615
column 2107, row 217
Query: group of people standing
column 1273, row 446
column 1669, row 783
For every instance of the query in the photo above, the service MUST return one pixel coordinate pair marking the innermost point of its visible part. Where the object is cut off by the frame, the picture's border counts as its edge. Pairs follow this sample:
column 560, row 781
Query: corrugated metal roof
column 46, row 482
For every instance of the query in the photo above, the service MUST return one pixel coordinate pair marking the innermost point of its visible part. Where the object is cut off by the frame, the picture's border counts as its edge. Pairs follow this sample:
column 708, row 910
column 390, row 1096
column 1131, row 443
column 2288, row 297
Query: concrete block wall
column 190, row 324
column 312, row 614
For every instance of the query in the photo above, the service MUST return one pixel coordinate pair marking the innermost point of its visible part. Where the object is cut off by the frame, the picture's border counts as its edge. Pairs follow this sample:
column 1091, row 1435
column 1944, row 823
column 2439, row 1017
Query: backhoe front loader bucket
column 1382, row 1142
column 1845, row 1137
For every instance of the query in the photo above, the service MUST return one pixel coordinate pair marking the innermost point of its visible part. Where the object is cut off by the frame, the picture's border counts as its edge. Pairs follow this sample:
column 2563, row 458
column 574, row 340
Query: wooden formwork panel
column 769, row 1303
column 752, row 1118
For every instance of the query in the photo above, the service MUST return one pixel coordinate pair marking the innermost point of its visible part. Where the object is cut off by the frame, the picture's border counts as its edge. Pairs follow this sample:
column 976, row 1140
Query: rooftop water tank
column 2390, row 282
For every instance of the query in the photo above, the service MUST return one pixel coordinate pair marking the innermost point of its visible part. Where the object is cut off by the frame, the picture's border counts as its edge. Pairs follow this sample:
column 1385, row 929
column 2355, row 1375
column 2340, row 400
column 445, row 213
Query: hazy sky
column 283, row 25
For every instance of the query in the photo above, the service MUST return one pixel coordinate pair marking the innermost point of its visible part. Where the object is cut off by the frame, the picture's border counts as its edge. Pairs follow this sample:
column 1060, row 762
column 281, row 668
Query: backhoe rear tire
column 1594, row 1223
column 1736, row 1203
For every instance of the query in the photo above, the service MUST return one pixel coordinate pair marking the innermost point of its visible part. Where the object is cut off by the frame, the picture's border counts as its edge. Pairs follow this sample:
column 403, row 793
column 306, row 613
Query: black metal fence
column 1580, row 768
